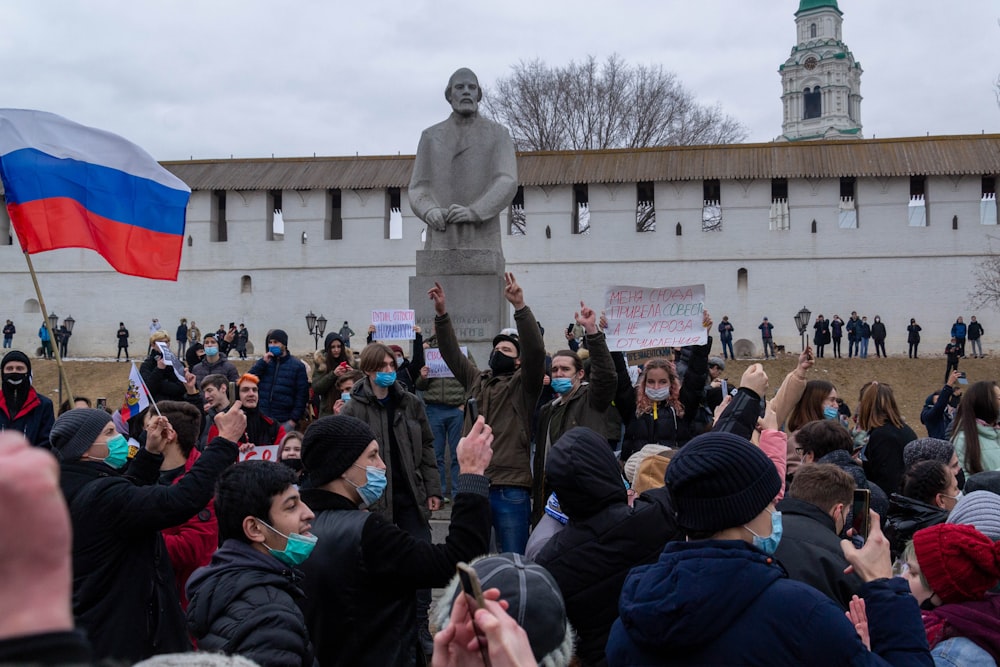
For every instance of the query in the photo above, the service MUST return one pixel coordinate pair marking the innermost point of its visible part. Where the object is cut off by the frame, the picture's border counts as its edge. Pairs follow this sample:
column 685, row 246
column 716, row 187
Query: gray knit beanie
column 719, row 481
column 76, row 430
column 981, row 510
column 928, row 449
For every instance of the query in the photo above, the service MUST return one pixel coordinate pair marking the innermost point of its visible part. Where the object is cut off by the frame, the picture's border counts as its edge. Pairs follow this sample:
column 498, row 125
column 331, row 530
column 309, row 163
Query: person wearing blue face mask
column 284, row 383
column 721, row 598
column 404, row 435
column 578, row 403
column 264, row 527
column 117, row 523
column 366, row 568
column 214, row 362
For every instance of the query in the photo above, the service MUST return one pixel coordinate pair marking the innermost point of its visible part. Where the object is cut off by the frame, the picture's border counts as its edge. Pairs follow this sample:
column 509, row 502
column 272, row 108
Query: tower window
column 812, row 30
column 813, row 105
column 516, row 218
column 581, row 209
column 645, row 207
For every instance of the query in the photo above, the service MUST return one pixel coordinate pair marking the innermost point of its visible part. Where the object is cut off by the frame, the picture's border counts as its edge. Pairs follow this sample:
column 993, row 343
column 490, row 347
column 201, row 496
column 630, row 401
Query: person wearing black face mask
column 21, row 407
column 506, row 395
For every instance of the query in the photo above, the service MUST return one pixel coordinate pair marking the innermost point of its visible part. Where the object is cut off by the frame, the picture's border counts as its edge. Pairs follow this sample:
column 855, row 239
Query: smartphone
column 472, row 409
column 569, row 329
column 233, row 392
column 102, row 403
column 725, row 389
column 474, row 589
column 961, row 378
column 859, row 509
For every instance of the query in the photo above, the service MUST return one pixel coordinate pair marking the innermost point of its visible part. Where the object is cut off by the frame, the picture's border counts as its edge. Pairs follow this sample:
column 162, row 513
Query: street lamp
column 802, row 322
column 53, row 323
column 68, row 323
column 317, row 326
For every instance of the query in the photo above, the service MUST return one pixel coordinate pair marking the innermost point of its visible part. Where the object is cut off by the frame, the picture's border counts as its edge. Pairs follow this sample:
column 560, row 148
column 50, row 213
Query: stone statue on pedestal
column 464, row 176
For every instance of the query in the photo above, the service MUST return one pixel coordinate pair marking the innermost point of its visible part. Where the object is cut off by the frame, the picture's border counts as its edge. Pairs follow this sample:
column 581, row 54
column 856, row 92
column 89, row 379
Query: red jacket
column 191, row 544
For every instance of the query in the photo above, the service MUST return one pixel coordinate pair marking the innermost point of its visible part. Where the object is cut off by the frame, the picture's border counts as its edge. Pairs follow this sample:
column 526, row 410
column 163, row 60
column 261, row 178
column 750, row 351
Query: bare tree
column 985, row 291
column 592, row 105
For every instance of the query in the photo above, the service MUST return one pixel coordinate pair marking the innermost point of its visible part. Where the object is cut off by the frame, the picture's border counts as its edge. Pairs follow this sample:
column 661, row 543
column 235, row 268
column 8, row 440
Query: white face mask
column 658, row 394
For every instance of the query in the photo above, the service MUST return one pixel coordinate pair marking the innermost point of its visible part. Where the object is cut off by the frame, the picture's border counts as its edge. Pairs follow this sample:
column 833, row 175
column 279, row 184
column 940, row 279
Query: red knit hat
column 959, row 563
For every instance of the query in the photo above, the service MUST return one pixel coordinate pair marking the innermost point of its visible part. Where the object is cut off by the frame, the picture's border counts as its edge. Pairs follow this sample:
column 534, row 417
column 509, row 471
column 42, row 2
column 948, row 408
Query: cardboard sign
column 650, row 317
column 435, row 364
column 171, row 358
column 260, row 453
column 393, row 324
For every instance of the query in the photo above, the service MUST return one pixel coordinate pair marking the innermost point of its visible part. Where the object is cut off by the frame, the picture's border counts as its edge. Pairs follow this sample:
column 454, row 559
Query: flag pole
column 149, row 394
column 52, row 334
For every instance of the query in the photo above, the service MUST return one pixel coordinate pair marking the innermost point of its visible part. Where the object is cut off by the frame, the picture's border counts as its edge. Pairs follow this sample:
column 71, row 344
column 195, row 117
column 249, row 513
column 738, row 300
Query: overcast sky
column 214, row 78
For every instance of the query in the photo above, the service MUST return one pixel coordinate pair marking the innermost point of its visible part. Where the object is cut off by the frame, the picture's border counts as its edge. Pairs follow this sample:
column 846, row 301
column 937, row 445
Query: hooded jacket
column 723, row 602
column 414, row 442
column 124, row 594
column 935, row 416
column 879, row 501
column 506, row 401
column 245, row 603
column 324, row 377
column 35, row 418
column 604, row 539
column 284, row 387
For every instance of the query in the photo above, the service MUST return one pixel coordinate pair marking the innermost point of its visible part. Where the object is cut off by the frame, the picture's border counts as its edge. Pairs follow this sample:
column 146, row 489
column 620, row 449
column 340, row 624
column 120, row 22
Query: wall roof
column 871, row 158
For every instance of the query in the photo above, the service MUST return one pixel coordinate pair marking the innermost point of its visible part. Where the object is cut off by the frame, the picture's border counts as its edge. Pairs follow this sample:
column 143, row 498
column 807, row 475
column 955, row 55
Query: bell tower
column 820, row 81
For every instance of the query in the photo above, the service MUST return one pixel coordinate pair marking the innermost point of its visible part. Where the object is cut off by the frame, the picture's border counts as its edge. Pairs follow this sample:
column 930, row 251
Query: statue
column 465, row 173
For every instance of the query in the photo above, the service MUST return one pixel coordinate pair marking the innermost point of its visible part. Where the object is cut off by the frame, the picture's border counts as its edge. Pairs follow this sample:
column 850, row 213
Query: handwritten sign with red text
column 260, row 453
column 645, row 317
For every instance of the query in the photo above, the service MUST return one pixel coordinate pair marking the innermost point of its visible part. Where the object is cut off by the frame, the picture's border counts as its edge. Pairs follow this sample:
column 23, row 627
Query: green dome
column 807, row 5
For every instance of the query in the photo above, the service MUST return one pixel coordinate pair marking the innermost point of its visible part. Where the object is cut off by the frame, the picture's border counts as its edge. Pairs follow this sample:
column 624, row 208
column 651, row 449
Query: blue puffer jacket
column 284, row 387
column 723, row 602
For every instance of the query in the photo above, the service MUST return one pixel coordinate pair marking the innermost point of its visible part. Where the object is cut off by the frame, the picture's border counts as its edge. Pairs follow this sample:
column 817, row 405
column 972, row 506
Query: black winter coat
column 884, row 452
column 668, row 428
column 161, row 382
column 810, row 551
column 842, row 459
column 605, row 538
column 361, row 578
column 246, row 603
column 35, row 418
column 124, row 595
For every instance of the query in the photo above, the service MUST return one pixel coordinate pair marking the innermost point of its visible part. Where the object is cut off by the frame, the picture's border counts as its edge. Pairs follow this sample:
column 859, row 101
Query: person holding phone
column 721, row 598
column 365, row 568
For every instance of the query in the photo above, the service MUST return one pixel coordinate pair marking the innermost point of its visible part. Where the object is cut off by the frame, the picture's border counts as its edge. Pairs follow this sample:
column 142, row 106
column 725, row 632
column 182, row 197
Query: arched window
column 812, row 30
column 678, row 230
column 31, row 306
column 813, row 105
column 246, row 285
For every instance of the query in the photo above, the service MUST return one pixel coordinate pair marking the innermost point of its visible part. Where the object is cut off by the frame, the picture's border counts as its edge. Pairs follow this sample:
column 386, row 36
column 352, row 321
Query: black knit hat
column 76, row 430
column 719, row 481
column 331, row 445
column 510, row 339
column 16, row 355
column 278, row 335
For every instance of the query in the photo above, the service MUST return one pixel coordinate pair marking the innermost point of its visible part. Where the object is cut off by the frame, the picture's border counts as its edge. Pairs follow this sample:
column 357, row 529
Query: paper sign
column 642, row 356
column 393, row 324
column 435, row 364
column 646, row 317
column 260, row 453
column 171, row 358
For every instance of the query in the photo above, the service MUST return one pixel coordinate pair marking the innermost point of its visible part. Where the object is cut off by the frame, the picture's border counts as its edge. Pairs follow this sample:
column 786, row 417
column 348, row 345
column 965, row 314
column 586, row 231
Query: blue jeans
column 728, row 345
column 768, row 345
column 511, row 509
column 7, row 341
column 864, row 348
column 446, row 423
column 960, row 651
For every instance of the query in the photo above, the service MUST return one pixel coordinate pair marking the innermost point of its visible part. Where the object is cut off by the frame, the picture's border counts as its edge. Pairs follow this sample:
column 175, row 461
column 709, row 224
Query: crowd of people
column 596, row 517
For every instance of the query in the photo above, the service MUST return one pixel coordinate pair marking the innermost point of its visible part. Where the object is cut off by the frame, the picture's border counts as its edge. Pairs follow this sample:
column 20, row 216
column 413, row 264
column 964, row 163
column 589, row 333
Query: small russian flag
column 72, row 186
column 136, row 399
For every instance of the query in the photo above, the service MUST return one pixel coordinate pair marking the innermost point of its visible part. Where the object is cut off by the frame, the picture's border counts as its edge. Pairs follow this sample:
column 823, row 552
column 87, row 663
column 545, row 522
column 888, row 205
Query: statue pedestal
column 473, row 286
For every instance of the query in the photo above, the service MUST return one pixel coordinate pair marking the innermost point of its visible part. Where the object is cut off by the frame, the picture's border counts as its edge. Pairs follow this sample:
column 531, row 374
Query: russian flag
column 72, row 186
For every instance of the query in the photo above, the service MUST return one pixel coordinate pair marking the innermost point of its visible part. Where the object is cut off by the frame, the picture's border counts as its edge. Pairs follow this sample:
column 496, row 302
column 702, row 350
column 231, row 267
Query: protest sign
column 436, row 368
column 260, row 453
column 636, row 357
column 649, row 317
column 171, row 358
column 393, row 324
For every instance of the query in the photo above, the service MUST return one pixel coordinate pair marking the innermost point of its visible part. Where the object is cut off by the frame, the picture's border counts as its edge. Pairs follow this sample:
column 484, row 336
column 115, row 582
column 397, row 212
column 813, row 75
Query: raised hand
column 436, row 294
column 513, row 292
column 586, row 318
